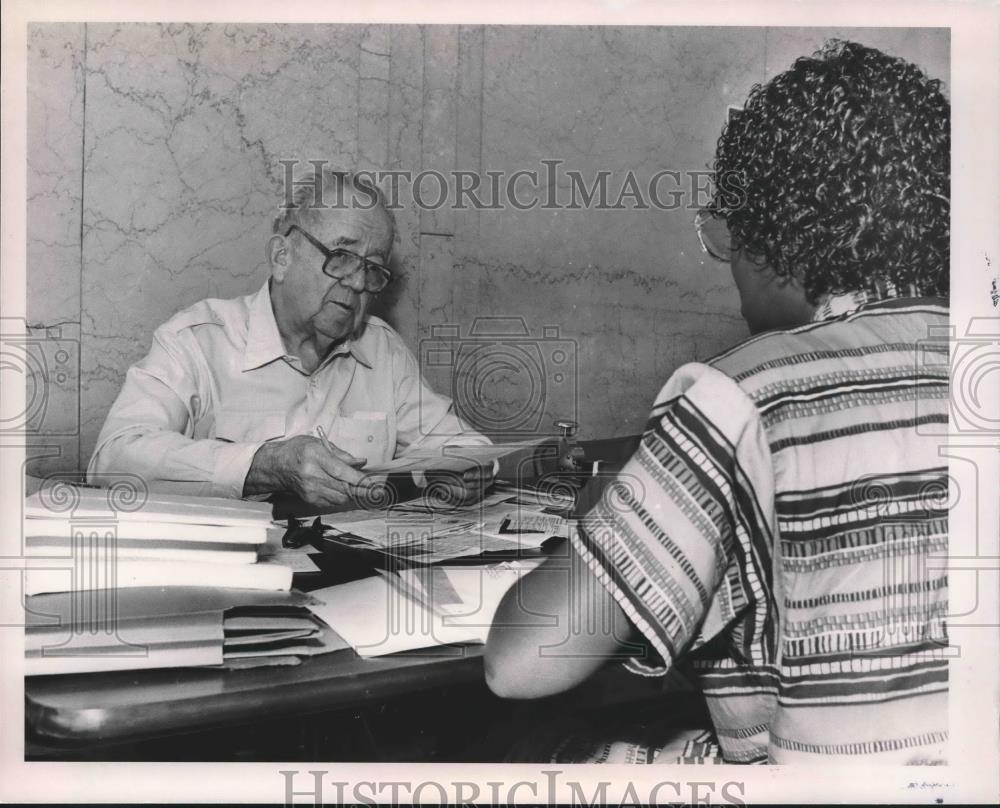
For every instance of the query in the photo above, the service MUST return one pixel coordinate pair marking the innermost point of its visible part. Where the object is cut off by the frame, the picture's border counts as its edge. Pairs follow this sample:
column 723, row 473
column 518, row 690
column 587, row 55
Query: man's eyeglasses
column 340, row 263
column 713, row 233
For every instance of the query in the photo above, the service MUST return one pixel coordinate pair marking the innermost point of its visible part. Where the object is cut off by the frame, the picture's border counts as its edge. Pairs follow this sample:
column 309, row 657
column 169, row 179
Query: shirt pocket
column 242, row 426
column 363, row 434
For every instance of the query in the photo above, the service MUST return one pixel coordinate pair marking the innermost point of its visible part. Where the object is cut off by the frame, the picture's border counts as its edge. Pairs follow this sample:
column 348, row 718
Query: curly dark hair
column 837, row 171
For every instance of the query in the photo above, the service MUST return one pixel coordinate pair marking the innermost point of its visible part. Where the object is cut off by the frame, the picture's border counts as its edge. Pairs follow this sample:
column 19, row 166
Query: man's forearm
column 265, row 475
column 166, row 460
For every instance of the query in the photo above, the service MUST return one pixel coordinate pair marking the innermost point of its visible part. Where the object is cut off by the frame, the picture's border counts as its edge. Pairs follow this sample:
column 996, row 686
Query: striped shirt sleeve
column 681, row 539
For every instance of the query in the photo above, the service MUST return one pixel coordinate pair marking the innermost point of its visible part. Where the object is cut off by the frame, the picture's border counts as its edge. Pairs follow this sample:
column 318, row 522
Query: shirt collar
column 264, row 343
column 354, row 348
column 848, row 302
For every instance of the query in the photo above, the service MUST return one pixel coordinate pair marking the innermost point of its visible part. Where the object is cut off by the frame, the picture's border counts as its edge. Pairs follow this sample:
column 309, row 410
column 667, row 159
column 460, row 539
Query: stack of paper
column 418, row 610
column 84, row 540
column 165, row 627
column 510, row 520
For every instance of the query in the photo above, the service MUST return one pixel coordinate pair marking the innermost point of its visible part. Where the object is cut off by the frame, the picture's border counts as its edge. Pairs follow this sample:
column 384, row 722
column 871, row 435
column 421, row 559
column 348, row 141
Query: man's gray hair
column 326, row 188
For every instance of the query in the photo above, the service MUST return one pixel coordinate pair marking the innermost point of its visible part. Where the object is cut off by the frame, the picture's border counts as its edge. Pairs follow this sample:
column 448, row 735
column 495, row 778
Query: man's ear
column 278, row 257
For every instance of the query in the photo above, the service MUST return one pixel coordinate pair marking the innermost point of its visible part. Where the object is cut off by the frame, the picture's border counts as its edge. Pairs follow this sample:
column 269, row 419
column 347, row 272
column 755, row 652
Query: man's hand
column 319, row 474
column 447, row 490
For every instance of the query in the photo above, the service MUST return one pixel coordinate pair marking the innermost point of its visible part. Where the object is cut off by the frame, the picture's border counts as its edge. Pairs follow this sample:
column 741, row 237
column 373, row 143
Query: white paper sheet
column 64, row 501
column 89, row 553
column 450, row 458
column 153, row 531
column 175, row 655
column 378, row 618
column 158, row 573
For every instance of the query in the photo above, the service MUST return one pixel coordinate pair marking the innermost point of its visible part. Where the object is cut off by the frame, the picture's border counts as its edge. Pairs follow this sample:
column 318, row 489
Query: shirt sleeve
column 148, row 429
column 425, row 419
column 681, row 537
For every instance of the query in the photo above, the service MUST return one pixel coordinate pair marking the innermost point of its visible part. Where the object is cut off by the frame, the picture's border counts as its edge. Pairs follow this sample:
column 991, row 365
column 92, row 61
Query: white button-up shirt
column 218, row 382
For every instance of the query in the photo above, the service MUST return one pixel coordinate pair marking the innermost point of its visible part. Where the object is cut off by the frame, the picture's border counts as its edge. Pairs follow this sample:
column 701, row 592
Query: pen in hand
column 357, row 462
column 326, row 441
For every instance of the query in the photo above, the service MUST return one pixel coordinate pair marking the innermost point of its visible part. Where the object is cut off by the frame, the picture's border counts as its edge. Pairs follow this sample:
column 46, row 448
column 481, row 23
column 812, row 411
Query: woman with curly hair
column 773, row 531
column 835, row 177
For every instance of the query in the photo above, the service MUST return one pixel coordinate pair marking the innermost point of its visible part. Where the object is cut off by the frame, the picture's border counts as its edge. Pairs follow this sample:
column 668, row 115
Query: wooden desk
column 74, row 711
column 86, row 708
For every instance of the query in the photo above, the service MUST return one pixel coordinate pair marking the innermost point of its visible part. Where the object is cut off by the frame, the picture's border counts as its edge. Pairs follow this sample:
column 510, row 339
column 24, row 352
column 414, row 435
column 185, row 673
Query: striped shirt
column 778, row 525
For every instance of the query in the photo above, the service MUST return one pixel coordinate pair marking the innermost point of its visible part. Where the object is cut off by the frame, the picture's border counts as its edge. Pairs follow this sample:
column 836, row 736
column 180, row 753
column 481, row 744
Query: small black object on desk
column 299, row 535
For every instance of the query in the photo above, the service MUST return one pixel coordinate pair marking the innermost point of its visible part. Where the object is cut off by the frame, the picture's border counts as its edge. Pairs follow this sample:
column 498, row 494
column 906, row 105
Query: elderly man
column 776, row 526
column 291, row 389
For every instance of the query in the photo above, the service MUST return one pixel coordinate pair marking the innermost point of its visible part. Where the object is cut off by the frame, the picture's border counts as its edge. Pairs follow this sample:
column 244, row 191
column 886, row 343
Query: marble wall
column 154, row 169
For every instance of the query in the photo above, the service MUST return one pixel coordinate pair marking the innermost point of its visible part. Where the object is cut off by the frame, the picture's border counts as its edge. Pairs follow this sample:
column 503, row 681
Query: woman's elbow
column 501, row 679
column 516, row 670
column 530, row 653
column 512, row 681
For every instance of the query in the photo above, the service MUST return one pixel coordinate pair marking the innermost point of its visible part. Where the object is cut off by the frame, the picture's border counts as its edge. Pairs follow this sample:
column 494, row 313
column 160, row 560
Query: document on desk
column 379, row 616
column 123, row 573
column 455, row 459
column 460, row 593
column 85, row 550
column 176, row 641
column 320, row 639
column 506, row 521
column 120, row 658
column 94, row 539
column 555, row 500
column 421, row 539
column 150, row 532
column 171, row 627
column 149, row 507
column 295, row 558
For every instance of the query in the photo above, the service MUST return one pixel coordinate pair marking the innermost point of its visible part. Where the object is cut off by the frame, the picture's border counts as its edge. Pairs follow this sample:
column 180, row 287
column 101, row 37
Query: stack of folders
column 83, row 538
column 165, row 581
column 170, row 627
